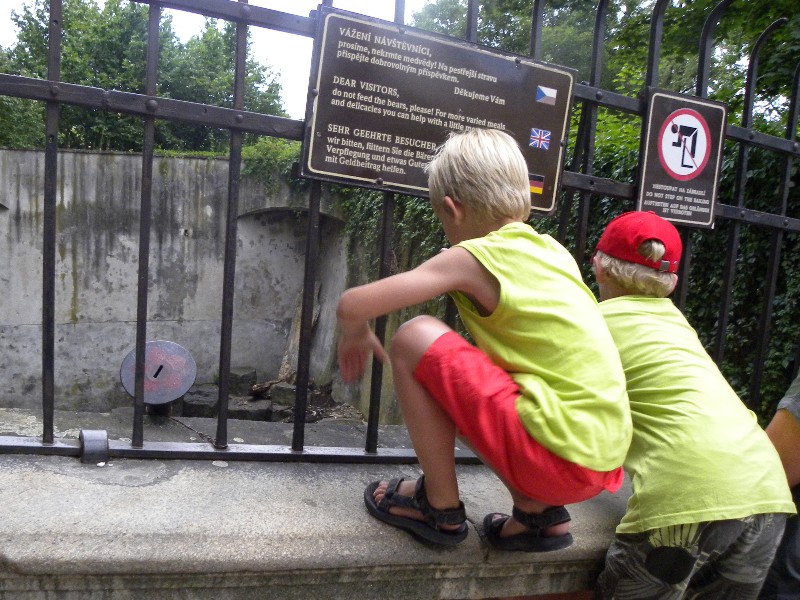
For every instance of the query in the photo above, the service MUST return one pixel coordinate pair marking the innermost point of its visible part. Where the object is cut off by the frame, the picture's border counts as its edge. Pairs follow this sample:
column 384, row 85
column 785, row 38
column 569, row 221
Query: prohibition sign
column 683, row 144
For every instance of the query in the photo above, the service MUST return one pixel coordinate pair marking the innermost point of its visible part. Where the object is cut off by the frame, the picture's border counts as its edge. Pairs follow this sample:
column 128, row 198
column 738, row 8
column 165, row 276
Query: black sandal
column 427, row 530
column 529, row 541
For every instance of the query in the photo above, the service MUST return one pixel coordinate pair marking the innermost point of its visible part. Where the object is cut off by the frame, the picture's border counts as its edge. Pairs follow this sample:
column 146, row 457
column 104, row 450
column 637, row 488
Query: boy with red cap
column 710, row 498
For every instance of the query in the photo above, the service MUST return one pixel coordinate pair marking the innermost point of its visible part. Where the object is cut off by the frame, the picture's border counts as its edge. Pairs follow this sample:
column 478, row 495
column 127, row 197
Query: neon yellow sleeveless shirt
column 698, row 453
column 549, row 335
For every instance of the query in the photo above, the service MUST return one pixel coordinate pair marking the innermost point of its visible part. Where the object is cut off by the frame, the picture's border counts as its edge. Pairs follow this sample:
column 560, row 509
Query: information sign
column 682, row 157
column 386, row 96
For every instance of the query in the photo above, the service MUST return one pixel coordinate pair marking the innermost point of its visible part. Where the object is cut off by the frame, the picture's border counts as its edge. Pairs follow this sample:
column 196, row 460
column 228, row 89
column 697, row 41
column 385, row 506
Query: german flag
column 536, row 183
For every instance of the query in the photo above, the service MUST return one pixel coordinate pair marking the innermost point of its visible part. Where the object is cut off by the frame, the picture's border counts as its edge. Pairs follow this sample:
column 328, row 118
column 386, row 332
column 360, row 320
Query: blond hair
column 485, row 171
column 639, row 279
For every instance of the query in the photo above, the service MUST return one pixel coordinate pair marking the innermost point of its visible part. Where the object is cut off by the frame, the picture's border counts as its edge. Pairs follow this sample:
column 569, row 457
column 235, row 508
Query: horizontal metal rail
column 204, row 451
column 151, row 106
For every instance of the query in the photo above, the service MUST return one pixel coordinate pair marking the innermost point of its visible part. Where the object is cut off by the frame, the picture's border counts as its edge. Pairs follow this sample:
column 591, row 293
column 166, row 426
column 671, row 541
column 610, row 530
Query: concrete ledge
column 153, row 529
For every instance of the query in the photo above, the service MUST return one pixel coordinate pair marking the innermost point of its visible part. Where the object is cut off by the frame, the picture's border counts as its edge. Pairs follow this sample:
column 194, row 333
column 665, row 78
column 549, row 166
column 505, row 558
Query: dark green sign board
column 386, row 96
column 682, row 156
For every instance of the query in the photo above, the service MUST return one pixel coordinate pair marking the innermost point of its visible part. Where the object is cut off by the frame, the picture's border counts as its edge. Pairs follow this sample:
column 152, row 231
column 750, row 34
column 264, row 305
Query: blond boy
column 539, row 397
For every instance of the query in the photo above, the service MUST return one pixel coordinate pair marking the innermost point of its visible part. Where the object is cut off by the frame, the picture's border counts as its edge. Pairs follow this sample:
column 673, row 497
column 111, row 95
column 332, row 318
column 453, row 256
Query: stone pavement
column 150, row 529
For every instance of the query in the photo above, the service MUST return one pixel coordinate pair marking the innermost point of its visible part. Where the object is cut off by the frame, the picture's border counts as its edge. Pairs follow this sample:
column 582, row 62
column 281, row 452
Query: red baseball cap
column 627, row 232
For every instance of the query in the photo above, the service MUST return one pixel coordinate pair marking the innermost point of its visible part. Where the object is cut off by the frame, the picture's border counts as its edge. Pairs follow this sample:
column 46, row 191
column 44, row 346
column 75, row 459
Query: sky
column 292, row 60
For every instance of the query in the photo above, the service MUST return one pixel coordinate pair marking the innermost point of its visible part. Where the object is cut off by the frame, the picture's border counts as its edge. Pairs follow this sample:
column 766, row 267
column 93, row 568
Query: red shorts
column 480, row 398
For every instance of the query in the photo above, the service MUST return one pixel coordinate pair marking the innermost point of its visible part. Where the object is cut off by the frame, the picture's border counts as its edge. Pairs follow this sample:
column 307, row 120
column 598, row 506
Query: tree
column 567, row 28
column 21, row 119
column 204, row 69
column 106, row 48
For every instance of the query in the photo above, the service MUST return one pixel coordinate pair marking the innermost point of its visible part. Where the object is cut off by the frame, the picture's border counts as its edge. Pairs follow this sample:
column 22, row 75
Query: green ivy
column 270, row 161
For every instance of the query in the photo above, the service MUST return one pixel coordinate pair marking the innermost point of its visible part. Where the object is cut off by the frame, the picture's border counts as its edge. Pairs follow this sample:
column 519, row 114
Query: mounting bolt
column 151, row 105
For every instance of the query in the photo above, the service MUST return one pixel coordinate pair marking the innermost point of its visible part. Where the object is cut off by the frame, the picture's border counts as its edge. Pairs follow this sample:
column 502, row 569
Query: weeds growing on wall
column 270, row 161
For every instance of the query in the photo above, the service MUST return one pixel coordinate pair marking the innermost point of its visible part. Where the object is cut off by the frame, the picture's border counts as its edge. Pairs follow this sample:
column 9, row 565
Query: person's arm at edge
column 784, row 431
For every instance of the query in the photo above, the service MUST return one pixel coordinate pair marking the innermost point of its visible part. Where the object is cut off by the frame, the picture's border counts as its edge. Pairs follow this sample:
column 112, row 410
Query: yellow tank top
column 548, row 334
column 698, row 454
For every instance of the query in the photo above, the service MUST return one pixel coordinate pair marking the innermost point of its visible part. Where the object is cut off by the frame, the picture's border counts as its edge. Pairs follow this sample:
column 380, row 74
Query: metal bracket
column 94, row 446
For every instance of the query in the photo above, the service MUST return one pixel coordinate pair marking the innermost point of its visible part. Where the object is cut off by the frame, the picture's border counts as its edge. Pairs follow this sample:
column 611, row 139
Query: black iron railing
column 579, row 184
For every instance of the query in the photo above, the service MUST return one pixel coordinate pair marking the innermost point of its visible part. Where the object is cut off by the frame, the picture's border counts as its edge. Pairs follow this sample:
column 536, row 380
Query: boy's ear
column 599, row 272
column 674, row 282
column 453, row 208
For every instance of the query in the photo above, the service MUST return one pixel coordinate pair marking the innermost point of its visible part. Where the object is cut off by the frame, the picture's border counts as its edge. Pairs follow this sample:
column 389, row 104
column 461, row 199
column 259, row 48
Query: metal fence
column 578, row 186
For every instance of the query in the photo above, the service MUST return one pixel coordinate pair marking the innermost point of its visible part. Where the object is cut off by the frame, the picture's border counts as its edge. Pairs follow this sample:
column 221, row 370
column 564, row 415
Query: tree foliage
column 506, row 25
column 105, row 47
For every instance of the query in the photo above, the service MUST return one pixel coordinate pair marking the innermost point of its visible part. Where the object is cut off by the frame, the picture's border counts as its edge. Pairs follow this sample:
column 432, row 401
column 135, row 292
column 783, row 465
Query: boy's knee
column 413, row 337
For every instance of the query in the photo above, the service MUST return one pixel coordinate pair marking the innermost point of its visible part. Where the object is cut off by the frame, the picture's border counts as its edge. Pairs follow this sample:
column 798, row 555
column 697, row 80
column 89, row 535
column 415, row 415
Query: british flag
column 540, row 138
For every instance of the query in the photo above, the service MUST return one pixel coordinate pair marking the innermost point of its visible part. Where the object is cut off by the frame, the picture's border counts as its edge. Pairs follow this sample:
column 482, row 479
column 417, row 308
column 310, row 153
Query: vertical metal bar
column 376, row 383
column 765, row 322
column 565, row 207
column 307, row 317
column 399, row 11
column 470, row 35
column 231, row 228
column 706, row 47
column 49, row 226
column 681, row 290
column 597, row 43
column 537, row 10
column 151, row 80
column 654, row 49
column 584, row 144
column 472, row 21
column 581, row 145
column 384, row 269
column 701, row 90
column 793, row 114
column 739, row 194
column 307, row 309
column 591, row 128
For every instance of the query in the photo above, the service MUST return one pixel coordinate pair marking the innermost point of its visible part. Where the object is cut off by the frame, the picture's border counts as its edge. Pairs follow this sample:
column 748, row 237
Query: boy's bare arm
column 450, row 270
column 454, row 269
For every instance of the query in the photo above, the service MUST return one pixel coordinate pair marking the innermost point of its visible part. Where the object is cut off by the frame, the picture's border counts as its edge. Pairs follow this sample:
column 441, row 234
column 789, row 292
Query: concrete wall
column 96, row 273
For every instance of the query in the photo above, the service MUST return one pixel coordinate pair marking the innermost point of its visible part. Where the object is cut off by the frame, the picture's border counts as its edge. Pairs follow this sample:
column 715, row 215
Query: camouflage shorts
column 716, row 559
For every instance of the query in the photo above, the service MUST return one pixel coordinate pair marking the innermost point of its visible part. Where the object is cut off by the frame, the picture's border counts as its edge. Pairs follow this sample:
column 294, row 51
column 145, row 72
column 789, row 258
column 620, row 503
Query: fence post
column 739, row 193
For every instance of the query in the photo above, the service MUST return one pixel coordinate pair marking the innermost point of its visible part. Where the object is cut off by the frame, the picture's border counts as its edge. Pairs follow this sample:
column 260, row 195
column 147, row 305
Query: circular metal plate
column 169, row 372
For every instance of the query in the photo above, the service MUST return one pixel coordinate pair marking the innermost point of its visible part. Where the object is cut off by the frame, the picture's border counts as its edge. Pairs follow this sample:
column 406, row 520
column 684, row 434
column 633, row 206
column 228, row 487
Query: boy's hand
column 355, row 344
